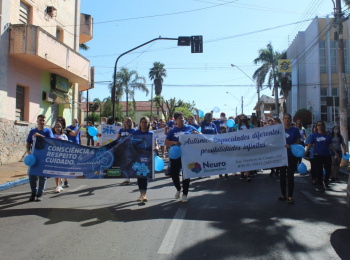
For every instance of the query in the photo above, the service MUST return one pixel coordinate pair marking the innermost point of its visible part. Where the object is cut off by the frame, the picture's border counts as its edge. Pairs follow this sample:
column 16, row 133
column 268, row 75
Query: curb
column 11, row 184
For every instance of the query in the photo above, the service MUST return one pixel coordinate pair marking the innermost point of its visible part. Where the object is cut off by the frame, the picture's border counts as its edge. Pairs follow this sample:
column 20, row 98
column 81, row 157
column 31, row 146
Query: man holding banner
column 39, row 131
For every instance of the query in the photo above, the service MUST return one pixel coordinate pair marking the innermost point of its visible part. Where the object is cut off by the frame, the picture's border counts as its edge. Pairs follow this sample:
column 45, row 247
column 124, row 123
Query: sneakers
column 320, row 188
column 58, row 189
column 177, row 195
column 144, row 198
column 66, row 184
column 249, row 179
column 184, row 198
column 39, row 197
column 32, row 197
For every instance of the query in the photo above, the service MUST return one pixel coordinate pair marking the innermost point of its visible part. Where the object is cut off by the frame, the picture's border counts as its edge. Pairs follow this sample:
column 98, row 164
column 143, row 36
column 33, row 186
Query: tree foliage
column 157, row 73
column 168, row 107
column 304, row 115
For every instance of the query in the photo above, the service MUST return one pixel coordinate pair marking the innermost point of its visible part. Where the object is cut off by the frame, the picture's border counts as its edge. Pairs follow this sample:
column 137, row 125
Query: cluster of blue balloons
column 29, row 160
column 346, row 156
column 93, row 132
column 158, row 163
column 175, row 152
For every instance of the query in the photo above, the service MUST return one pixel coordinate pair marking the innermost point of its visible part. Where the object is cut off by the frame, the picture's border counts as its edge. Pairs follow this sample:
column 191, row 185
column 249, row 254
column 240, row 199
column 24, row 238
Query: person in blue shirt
column 322, row 142
column 193, row 122
column 287, row 172
column 220, row 122
column 207, row 126
column 175, row 164
column 311, row 156
column 144, row 129
column 41, row 132
column 128, row 129
column 75, row 128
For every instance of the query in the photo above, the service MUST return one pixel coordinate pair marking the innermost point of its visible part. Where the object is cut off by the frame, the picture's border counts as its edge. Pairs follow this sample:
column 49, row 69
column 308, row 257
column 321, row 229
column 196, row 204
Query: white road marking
column 313, row 198
column 171, row 235
column 75, row 189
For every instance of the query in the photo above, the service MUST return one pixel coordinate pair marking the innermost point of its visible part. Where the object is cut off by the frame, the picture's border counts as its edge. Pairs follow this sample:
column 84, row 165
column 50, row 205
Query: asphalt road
column 100, row 219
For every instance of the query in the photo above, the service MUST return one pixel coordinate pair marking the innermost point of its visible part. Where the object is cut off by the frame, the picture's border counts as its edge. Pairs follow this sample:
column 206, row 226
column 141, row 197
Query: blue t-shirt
column 292, row 135
column 74, row 139
column 170, row 123
column 209, row 129
column 125, row 132
column 218, row 124
column 45, row 132
column 139, row 132
column 321, row 144
column 174, row 133
column 311, row 150
column 196, row 126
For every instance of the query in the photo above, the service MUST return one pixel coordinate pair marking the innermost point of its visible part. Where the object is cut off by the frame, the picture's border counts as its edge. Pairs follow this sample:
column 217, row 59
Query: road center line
column 311, row 197
column 171, row 235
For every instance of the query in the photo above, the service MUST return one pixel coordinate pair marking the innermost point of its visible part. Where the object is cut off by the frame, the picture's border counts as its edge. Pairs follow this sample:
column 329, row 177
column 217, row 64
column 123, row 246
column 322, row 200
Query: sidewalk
column 15, row 174
column 12, row 175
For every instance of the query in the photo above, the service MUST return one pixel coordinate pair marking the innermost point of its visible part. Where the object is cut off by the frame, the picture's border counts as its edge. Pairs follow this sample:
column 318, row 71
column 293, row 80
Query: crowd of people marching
column 324, row 149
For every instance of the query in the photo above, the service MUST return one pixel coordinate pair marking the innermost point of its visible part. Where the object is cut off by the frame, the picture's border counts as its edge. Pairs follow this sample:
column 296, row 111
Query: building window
column 322, row 49
column 24, row 11
column 20, row 93
column 335, row 92
column 334, row 63
column 59, row 34
column 324, row 108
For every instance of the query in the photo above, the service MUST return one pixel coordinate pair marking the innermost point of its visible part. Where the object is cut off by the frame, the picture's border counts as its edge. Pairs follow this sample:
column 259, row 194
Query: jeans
column 335, row 164
column 42, row 184
column 143, row 183
column 175, row 168
column 313, row 169
column 326, row 163
column 90, row 139
column 288, row 173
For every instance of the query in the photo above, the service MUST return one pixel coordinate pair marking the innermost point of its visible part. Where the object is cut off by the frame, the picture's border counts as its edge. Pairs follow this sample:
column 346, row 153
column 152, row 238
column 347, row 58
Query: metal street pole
column 151, row 100
column 343, row 95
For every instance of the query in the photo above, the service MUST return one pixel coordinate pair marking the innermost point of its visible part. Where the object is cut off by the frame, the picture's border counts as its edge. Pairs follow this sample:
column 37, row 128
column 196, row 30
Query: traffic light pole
column 116, row 62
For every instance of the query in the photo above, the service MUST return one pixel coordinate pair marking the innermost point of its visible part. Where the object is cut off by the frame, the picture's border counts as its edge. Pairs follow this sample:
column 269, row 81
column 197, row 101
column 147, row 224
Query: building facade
column 41, row 69
column 314, row 56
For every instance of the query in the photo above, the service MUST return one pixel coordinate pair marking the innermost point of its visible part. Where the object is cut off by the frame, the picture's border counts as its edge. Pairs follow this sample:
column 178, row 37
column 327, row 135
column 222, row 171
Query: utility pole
column 343, row 95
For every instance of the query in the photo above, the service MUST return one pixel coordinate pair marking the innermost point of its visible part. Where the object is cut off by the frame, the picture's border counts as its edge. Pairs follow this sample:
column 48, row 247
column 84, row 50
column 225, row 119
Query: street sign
column 196, row 44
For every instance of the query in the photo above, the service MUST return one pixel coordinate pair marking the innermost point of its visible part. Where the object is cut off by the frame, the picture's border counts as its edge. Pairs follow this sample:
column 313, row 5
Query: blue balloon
column 297, row 150
column 200, row 113
column 158, row 163
column 29, row 160
column 199, row 129
column 175, row 152
column 92, row 131
column 216, row 110
column 230, row 123
column 302, row 168
column 345, row 156
column 95, row 138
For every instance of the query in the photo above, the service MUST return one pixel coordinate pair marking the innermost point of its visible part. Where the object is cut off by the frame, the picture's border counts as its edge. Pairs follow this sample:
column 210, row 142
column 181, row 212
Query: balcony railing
column 36, row 47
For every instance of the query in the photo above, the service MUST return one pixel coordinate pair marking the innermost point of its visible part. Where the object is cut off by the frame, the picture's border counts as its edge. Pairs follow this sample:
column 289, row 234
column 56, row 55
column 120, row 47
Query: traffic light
column 196, row 44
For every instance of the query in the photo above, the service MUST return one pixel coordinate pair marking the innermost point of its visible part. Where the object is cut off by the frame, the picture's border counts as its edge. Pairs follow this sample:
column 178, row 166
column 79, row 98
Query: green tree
column 269, row 60
column 93, row 117
column 83, row 46
column 128, row 82
column 157, row 73
column 304, row 115
column 170, row 106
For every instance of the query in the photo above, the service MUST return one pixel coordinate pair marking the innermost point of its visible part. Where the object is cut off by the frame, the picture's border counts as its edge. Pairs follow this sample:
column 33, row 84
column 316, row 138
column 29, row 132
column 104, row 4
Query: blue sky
column 233, row 33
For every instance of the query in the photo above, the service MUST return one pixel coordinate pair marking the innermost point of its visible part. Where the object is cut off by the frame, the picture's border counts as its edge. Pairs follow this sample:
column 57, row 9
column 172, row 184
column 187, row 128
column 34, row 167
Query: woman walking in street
column 287, row 172
column 144, row 129
column 339, row 145
column 322, row 142
column 175, row 164
column 58, row 134
column 311, row 156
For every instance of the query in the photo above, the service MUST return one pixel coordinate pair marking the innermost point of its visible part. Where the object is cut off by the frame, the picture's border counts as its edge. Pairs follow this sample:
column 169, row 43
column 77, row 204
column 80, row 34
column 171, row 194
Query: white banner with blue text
column 246, row 150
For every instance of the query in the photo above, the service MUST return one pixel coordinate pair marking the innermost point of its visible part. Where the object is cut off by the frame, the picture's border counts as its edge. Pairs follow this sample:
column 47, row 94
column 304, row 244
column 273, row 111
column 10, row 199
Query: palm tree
column 156, row 74
column 269, row 59
column 83, row 46
column 128, row 83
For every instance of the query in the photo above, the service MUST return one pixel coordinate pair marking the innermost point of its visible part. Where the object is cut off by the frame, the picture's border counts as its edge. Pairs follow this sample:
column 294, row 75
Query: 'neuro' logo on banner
column 194, row 167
